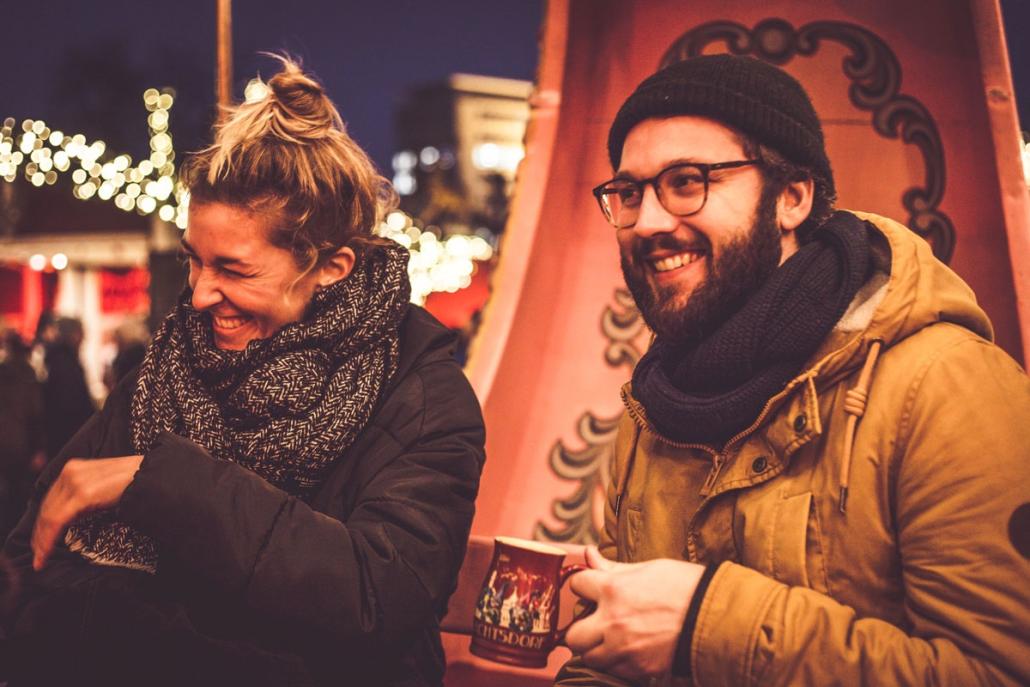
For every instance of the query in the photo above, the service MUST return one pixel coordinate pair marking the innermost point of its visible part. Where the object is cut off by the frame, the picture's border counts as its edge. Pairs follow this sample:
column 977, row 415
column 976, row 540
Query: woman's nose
column 653, row 218
column 205, row 291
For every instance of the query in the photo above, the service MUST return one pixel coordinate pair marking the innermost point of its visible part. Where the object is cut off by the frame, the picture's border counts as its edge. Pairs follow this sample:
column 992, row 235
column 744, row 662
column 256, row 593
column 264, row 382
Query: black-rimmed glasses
column 682, row 189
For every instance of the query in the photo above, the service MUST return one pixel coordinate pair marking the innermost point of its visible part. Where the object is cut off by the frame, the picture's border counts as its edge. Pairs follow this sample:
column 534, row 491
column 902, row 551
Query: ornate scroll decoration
column 590, row 468
column 621, row 325
column 875, row 74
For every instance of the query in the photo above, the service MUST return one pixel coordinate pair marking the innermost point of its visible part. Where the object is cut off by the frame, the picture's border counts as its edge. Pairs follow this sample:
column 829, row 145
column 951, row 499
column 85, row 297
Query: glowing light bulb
column 256, row 90
column 158, row 120
column 396, row 220
column 146, row 204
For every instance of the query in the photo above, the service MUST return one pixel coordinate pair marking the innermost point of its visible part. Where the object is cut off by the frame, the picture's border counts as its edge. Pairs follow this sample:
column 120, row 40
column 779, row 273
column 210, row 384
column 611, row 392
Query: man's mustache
column 646, row 246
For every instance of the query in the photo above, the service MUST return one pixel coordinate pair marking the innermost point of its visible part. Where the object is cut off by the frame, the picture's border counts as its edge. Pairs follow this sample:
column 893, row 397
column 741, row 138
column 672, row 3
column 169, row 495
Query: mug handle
column 587, row 606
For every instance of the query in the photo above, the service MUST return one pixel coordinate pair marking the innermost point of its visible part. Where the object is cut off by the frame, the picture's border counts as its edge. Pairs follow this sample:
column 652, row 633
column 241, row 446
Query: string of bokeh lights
column 42, row 154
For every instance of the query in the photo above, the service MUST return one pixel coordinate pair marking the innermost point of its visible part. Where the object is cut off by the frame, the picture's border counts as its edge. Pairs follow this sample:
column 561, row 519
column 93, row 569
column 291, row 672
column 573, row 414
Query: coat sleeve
column 17, row 548
column 961, row 471
column 98, row 437
column 575, row 673
column 383, row 572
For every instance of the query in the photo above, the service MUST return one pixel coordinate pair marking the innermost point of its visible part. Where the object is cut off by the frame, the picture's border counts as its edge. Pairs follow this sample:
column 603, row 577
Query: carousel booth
column 101, row 280
column 919, row 117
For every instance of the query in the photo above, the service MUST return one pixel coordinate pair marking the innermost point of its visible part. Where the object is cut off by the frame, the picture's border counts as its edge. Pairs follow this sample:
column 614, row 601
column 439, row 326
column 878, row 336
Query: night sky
column 82, row 66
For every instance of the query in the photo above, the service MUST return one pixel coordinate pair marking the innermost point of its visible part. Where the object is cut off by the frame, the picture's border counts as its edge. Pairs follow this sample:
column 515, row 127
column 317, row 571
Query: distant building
column 460, row 143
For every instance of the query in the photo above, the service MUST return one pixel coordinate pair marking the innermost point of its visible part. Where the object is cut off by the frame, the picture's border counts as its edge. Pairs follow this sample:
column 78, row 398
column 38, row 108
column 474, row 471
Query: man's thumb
column 596, row 561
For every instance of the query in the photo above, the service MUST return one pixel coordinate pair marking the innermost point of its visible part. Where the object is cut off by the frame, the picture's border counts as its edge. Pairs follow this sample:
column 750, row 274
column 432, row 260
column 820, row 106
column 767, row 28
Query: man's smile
column 671, row 262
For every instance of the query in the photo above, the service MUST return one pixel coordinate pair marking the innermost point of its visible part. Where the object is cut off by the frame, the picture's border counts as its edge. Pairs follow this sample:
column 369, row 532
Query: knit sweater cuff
column 681, row 659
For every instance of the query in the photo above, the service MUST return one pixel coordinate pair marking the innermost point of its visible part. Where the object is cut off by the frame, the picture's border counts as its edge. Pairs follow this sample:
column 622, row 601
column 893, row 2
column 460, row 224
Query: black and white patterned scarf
column 285, row 408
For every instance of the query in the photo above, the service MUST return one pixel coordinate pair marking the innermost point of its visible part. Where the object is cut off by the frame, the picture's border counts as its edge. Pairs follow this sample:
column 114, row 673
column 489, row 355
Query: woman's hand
column 82, row 486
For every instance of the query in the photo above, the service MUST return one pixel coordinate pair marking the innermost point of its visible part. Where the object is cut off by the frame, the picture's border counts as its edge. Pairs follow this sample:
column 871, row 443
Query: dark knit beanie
column 763, row 102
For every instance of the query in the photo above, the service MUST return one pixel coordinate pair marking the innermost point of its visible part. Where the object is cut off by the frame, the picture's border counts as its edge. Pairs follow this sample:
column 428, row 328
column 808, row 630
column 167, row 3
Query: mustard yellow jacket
column 910, row 410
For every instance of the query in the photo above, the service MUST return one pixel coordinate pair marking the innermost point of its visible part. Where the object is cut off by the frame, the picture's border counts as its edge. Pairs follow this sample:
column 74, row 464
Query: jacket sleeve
column 383, row 572
column 17, row 548
column 98, row 437
column 960, row 472
column 575, row 673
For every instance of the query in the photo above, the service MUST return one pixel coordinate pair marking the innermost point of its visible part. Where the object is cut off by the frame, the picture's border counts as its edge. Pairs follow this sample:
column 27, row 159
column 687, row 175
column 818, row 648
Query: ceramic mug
column 516, row 615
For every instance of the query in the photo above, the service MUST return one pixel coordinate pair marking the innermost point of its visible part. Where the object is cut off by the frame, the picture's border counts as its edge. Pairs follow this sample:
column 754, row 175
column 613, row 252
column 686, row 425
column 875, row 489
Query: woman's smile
column 249, row 287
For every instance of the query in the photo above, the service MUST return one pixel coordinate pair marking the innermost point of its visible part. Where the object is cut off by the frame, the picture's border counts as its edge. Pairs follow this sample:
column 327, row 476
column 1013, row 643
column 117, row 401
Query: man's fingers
column 595, row 560
column 587, row 584
column 584, row 635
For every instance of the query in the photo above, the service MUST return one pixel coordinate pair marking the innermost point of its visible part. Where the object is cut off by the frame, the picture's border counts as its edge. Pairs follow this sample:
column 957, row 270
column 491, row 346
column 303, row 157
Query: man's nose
column 206, row 293
column 653, row 218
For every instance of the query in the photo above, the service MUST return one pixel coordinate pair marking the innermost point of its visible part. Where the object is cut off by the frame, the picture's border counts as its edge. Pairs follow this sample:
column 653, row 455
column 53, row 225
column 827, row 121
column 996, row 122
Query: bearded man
column 823, row 454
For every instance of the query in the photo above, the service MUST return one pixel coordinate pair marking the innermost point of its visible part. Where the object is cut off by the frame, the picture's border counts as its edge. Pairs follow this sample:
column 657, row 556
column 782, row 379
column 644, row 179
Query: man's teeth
column 674, row 261
column 229, row 322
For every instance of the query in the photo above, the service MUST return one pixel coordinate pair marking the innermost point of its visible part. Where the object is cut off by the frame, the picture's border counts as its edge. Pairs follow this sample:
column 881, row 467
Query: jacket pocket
column 773, row 535
column 788, row 555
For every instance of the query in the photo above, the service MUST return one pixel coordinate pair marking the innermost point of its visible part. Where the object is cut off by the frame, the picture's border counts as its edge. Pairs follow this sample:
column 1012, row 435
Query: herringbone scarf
column 285, row 408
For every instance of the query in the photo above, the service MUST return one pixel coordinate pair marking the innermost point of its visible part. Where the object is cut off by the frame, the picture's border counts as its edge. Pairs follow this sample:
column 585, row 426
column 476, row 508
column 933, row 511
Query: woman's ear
column 336, row 268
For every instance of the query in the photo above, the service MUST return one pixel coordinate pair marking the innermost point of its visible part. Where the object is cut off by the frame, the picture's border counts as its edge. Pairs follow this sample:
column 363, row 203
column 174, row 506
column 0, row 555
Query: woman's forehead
column 227, row 230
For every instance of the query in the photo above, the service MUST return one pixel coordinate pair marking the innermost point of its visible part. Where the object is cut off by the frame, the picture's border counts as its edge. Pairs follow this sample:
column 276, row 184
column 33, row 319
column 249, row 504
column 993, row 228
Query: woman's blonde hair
column 288, row 155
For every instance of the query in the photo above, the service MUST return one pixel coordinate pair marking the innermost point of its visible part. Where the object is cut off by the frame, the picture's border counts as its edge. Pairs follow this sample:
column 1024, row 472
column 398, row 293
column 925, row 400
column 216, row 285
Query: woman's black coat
column 255, row 586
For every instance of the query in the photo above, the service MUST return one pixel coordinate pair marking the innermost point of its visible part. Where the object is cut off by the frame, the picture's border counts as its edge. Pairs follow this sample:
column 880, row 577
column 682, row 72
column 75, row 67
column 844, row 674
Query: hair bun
column 304, row 109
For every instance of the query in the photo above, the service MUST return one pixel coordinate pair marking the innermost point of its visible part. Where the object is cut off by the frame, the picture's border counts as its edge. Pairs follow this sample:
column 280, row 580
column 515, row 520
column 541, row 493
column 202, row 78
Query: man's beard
column 740, row 270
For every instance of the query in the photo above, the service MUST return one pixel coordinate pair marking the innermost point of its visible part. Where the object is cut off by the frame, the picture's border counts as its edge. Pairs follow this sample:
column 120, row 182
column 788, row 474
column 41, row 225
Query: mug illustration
column 516, row 600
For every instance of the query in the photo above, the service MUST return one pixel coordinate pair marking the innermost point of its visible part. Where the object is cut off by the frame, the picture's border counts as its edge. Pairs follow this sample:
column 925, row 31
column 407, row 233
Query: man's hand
column 640, row 612
column 82, row 486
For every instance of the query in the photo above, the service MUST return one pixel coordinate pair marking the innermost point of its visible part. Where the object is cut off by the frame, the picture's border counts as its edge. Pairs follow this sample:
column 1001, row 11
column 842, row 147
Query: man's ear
column 793, row 206
column 337, row 267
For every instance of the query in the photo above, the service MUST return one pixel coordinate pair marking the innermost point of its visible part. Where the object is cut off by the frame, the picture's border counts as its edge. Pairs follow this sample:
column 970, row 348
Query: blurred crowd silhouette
column 45, row 399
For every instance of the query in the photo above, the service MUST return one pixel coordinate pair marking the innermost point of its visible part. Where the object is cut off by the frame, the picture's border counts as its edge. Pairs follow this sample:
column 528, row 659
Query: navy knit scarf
column 708, row 391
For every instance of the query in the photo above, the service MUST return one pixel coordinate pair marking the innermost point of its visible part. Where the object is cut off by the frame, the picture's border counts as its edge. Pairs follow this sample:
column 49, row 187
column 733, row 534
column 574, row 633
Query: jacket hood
column 423, row 338
column 910, row 290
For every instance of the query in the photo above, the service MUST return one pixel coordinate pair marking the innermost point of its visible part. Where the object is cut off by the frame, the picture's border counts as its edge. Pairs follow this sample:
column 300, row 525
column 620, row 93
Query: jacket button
column 759, row 465
column 800, row 422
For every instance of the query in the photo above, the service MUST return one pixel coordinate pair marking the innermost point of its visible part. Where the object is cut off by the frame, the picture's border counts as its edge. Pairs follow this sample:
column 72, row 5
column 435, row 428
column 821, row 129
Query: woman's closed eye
column 193, row 262
column 235, row 274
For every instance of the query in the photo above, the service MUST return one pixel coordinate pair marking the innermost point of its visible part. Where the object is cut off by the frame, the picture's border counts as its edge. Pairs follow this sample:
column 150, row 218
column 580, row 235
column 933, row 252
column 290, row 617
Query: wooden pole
column 223, row 88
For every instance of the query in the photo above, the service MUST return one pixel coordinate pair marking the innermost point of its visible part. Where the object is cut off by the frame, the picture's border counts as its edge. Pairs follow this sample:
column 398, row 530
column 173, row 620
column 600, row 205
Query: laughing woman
column 283, row 492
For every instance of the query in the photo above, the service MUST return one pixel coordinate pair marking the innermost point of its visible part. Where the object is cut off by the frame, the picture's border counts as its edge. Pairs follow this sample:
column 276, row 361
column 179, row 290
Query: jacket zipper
column 718, row 457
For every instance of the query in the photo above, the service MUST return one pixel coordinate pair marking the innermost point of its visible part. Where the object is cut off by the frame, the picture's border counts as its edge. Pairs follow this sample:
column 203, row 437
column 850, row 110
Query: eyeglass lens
column 680, row 189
